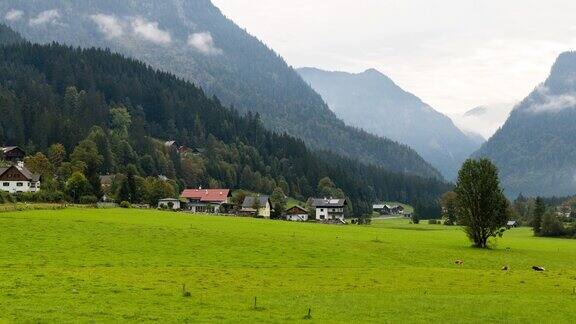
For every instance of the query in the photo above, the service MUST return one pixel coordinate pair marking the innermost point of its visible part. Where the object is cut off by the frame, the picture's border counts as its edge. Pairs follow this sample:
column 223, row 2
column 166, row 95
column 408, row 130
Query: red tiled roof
column 207, row 195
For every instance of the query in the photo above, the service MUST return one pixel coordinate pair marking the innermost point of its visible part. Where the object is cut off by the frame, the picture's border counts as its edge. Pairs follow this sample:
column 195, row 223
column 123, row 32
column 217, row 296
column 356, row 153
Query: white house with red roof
column 206, row 200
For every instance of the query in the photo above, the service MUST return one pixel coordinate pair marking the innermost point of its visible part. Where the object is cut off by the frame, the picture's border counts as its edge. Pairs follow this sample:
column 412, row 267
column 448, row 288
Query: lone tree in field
column 482, row 207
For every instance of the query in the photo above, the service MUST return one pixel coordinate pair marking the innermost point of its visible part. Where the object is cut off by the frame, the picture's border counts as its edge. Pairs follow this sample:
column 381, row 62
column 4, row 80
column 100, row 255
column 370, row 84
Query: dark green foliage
column 538, row 216
column 78, row 186
column 551, row 226
column 449, row 203
column 125, row 204
column 242, row 71
column 535, row 149
column 88, row 200
column 8, row 36
column 64, row 93
column 482, row 207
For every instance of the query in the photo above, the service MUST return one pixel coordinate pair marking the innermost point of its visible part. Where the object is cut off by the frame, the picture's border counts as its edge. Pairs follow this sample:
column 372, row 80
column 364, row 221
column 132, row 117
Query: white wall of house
column 297, row 217
column 176, row 203
column 265, row 211
column 329, row 213
column 19, row 186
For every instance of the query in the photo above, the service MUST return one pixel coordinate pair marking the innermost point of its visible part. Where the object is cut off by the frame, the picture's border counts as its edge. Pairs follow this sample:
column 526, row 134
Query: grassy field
column 129, row 265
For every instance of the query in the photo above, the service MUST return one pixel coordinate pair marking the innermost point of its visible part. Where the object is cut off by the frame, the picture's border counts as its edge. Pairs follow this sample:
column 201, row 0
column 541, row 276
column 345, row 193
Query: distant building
column 328, row 209
column 297, row 214
column 167, row 202
column 171, row 145
column 511, row 224
column 206, row 200
column 384, row 209
column 17, row 178
column 13, row 154
column 259, row 206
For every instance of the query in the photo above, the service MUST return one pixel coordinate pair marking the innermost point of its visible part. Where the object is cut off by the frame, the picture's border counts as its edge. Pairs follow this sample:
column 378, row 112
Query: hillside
column 535, row 149
column 193, row 40
column 373, row 102
column 89, row 265
column 56, row 94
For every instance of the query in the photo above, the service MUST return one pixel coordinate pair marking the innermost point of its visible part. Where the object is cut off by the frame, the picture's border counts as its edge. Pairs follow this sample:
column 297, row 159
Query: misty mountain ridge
column 535, row 149
column 485, row 119
column 193, row 40
column 372, row 101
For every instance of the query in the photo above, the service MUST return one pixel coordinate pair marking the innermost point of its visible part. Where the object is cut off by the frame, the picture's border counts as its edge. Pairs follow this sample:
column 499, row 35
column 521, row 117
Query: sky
column 454, row 54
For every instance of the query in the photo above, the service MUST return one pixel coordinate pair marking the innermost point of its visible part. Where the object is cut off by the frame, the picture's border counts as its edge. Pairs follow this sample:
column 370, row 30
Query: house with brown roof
column 296, row 214
column 207, row 200
column 12, row 154
column 17, row 179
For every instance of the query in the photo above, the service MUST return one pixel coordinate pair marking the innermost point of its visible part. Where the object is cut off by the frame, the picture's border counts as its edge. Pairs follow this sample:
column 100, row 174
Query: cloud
column 14, row 15
column 48, row 16
column 109, row 25
column 203, row 43
column 150, row 31
column 551, row 103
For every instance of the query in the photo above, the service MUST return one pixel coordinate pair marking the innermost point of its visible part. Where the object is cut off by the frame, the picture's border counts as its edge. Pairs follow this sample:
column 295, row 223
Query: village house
column 384, row 209
column 296, row 214
column 13, row 154
column 328, row 209
column 258, row 206
column 168, row 203
column 18, row 179
column 206, row 200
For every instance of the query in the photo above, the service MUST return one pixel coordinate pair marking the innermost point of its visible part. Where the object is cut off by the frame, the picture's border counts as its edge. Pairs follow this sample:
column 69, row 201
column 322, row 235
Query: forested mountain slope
column 373, row 102
column 535, row 149
column 57, row 94
column 193, row 40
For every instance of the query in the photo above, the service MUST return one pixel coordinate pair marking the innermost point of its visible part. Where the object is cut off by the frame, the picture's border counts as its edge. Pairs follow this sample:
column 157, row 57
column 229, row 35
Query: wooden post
column 255, row 302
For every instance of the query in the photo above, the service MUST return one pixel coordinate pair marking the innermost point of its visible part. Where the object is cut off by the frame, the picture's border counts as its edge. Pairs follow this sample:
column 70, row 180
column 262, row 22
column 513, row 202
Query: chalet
column 13, row 154
column 258, row 206
column 511, row 224
column 169, row 202
column 297, row 214
column 381, row 209
column 206, row 200
column 17, row 178
column 328, row 209
column 384, row 209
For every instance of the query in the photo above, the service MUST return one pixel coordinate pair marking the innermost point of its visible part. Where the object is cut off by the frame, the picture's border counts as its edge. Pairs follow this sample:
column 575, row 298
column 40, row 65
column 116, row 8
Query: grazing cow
column 538, row 268
column 459, row 262
column 504, row 268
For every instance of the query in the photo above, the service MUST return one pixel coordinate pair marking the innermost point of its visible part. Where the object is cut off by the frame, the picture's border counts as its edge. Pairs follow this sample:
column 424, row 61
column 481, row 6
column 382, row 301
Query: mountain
column 535, row 149
column 193, row 40
column 373, row 102
column 484, row 120
column 117, row 112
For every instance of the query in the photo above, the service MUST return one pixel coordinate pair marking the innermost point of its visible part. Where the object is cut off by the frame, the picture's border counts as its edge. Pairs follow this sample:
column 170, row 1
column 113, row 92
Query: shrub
column 88, row 200
column 125, row 204
column 551, row 225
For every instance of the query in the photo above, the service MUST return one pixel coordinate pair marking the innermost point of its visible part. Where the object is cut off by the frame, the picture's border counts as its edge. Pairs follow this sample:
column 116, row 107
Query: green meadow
column 82, row 265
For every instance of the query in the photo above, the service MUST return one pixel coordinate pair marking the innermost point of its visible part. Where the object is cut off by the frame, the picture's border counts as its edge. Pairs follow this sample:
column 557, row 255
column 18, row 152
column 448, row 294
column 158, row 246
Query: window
column 321, row 210
column 19, row 184
column 6, row 184
column 321, row 216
